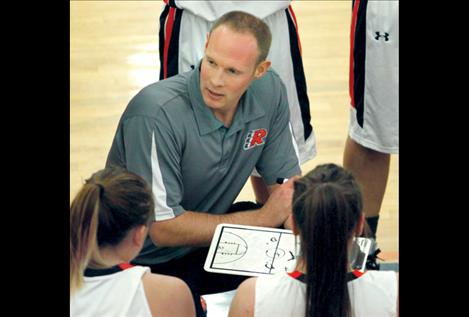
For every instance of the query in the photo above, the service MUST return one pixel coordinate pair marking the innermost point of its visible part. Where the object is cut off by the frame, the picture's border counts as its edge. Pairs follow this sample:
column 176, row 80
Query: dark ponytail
column 327, row 206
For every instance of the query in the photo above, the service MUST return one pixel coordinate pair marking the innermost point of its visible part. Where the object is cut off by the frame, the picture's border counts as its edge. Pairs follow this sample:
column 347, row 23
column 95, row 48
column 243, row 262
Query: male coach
column 196, row 137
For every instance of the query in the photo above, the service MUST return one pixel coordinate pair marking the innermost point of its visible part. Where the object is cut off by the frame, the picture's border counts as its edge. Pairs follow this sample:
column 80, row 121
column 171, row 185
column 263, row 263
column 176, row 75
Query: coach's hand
column 277, row 209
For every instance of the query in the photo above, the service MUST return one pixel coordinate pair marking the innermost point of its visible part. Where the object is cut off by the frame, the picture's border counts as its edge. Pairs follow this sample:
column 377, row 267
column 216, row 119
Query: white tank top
column 116, row 294
column 372, row 294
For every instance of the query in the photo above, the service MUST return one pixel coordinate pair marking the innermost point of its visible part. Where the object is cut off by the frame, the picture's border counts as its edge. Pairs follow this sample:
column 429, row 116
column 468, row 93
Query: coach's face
column 228, row 68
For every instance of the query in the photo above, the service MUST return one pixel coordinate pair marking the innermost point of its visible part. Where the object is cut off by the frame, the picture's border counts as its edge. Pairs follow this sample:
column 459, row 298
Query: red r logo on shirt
column 254, row 138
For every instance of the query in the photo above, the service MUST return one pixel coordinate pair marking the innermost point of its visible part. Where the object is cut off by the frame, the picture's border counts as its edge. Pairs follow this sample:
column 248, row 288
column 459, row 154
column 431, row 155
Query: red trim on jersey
column 167, row 39
column 166, row 1
column 357, row 273
column 351, row 81
column 290, row 9
column 125, row 266
column 295, row 274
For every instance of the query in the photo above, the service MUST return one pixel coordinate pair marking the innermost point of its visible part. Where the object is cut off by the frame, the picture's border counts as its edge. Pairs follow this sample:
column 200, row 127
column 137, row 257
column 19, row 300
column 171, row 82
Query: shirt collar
column 248, row 109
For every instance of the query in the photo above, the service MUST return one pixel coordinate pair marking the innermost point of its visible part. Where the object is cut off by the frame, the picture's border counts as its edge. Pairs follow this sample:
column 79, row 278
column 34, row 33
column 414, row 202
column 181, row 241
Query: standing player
column 373, row 133
column 184, row 26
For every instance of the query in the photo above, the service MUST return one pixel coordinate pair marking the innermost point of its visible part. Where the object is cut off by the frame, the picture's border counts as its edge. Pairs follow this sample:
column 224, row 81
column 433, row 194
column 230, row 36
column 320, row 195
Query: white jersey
column 184, row 26
column 115, row 295
column 372, row 294
column 374, row 75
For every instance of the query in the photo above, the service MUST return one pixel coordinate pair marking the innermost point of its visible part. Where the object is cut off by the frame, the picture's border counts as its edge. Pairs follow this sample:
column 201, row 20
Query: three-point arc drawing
column 230, row 249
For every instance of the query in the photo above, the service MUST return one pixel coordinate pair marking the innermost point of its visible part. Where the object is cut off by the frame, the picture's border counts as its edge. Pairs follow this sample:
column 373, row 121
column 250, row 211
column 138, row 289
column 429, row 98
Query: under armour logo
column 255, row 138
column 378, row 35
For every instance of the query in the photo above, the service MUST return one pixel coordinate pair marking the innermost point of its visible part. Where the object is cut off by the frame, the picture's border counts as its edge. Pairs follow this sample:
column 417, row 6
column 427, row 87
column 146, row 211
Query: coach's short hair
column 244, row 22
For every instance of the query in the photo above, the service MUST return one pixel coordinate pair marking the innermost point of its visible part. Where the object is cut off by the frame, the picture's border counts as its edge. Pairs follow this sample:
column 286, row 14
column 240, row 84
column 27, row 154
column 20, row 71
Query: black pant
column 190, row 268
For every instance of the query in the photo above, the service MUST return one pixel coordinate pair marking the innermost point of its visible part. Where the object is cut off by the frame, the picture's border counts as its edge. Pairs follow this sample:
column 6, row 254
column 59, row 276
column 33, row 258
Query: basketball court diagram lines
column 249, row 250
column 231, row 248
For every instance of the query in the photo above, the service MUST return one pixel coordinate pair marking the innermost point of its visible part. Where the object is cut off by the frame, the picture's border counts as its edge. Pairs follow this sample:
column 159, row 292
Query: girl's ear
column 360, row 225
column 294, row 227
column 139, row 235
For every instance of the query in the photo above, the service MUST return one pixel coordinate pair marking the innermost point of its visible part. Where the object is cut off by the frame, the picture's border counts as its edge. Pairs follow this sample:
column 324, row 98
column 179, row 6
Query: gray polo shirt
column 172, row 139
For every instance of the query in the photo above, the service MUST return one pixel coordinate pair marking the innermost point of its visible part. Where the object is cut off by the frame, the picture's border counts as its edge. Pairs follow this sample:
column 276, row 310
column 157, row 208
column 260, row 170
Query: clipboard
column 360, row 249
column 257, row 251
column 251, row 250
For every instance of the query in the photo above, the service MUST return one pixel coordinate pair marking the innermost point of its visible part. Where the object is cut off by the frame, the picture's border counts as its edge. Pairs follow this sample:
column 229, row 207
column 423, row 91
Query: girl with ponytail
column 109, row 220
column 327, row 215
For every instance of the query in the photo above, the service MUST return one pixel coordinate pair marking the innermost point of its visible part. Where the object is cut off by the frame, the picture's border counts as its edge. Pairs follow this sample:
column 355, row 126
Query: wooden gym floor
column 114, row 53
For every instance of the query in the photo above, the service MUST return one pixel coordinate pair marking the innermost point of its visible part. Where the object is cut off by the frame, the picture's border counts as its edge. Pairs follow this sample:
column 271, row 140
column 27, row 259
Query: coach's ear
column 206, row 39
column 262, row 68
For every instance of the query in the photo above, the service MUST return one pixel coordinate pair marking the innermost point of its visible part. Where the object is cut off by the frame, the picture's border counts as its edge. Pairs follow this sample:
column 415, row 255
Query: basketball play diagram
column 249, row 250
column 230, row 249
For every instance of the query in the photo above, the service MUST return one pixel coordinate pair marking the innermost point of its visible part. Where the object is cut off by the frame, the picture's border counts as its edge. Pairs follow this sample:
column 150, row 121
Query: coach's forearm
column 197, row 229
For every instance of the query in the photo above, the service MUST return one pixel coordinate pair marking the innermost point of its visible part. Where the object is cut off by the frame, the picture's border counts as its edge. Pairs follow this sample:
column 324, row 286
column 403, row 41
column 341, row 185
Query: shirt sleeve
column 279, row 159
column 151, row 151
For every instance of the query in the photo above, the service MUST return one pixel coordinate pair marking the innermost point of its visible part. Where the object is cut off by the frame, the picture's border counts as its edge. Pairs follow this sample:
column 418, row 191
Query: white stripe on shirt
column 162, row 211
column 295, row 146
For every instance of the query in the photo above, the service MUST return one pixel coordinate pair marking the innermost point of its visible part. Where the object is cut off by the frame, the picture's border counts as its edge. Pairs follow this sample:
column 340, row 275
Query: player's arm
column 197, row 228
column 175, row 301
column 243, row 302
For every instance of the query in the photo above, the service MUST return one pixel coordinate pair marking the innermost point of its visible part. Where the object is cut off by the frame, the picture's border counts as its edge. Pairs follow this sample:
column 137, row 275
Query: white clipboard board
column 251, row 251
column 256, row 251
